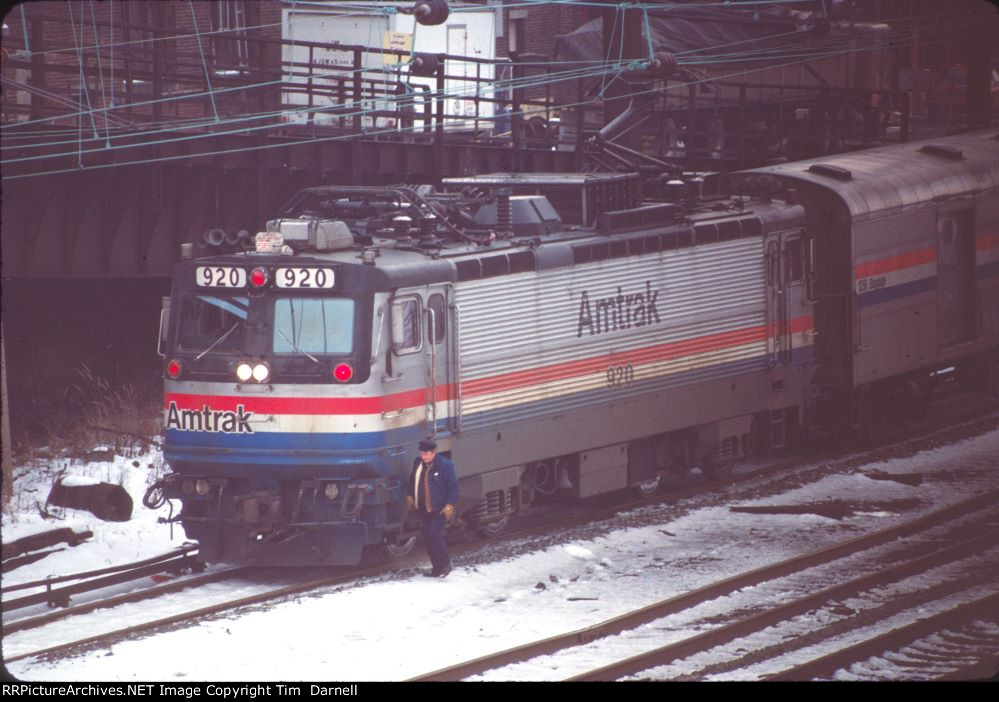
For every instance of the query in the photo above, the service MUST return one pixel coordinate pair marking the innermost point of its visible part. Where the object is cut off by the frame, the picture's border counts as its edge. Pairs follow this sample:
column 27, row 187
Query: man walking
column 433, row 492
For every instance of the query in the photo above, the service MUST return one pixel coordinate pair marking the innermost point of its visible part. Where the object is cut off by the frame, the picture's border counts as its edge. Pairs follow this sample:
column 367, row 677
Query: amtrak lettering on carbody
column 207, row 419
column 621, row 311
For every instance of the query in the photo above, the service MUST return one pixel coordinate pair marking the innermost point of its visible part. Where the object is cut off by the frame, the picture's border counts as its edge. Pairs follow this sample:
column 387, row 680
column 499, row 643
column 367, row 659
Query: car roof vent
column 948, row 152
column 827, row 169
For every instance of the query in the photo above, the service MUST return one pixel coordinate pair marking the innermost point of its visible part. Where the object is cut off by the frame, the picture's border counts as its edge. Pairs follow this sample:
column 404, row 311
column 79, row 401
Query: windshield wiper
column 292, row 345
column 219, row 341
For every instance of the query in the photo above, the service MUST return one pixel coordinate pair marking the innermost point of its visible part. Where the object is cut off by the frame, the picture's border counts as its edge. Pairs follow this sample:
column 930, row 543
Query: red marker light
column 174, row 368
column 258, row 277
column 343, row 372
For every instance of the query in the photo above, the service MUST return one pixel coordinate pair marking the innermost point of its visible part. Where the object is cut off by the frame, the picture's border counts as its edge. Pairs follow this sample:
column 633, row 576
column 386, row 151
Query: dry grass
column 122, row 415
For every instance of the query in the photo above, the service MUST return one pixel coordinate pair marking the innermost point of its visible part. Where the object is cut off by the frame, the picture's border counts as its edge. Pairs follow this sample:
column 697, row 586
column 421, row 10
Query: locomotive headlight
column 244, row 371
column 187, row 487
column 261, row 372
column 331, row 491
column 202, row 487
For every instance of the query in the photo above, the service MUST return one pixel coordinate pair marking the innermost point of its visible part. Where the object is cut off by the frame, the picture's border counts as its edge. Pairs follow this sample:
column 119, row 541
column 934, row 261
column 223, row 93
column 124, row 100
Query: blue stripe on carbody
column 286, row 448
column 895, row 292
column 357, row 448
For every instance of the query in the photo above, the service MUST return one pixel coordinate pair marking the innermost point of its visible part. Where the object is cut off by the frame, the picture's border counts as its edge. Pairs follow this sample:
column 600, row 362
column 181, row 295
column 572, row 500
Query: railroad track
column 956, row 644
column 15, row 650
column 719, row 635
column 60, row 599
column 175, row 561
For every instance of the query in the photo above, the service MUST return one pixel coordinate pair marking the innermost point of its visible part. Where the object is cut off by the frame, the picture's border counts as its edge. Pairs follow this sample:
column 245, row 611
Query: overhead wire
column 100, row 67
column 204, row 63
column 266, row 83
column 284, row 111
column 526, row 83
column 730, row 57
column 211, row 135
column 339, row 137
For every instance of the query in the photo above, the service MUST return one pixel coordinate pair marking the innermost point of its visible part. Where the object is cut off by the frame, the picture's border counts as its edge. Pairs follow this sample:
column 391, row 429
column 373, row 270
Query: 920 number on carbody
column 619, row 376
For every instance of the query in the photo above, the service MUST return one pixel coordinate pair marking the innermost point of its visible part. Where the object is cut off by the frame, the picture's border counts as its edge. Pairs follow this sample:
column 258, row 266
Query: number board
column 220, row 277
column 316, row 278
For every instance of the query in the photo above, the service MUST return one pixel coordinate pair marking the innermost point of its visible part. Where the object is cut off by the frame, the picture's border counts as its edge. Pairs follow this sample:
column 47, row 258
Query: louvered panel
column 524, row 353
column 532, row 319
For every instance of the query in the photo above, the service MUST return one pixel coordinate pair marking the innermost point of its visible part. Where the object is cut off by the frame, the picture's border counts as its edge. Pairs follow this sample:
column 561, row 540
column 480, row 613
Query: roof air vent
column 830, row 171
column 948, row 152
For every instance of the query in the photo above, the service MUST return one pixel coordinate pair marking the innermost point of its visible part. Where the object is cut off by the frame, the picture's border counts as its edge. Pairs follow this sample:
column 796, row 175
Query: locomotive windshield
column 209, row 322
column 313, row 325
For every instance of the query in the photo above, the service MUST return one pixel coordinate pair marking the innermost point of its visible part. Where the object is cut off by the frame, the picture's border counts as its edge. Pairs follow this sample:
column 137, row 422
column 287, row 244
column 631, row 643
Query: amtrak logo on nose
column 619, row 311
column 207, row 419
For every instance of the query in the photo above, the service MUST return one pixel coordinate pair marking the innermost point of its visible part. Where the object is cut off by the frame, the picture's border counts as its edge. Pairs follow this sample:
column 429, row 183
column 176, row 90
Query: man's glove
column 448, row 511
column 410, row 502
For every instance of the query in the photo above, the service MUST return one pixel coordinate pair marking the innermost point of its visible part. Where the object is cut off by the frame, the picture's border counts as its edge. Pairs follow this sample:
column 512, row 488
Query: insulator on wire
column 431, row 12
column 663, row 63
column 424, row 65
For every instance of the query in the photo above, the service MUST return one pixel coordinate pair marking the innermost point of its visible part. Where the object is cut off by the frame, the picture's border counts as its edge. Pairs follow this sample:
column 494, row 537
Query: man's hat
column 428, row 445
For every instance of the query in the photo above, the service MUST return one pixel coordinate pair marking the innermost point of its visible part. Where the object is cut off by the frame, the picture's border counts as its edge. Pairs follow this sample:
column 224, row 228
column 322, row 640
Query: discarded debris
column 112, row 503
column 833, row 510
column 45, row 539
column 912, row 479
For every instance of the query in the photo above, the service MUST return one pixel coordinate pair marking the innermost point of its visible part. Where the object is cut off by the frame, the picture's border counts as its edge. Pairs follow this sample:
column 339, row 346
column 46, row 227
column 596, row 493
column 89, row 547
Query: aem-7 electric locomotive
column 560, row 337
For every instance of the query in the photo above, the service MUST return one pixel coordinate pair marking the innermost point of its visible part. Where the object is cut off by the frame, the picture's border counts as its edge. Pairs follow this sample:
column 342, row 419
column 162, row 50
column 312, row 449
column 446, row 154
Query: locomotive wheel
column 715, row 471
column 491, row 530
column 648, row 489
column 396, row 551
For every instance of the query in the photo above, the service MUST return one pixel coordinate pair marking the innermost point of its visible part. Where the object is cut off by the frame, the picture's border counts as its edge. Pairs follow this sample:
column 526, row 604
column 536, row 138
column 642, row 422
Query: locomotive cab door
column 439, row 324
column 423, row 333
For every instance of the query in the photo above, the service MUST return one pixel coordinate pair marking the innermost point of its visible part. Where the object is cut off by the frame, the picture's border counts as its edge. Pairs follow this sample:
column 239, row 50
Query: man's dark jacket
column 443, row 483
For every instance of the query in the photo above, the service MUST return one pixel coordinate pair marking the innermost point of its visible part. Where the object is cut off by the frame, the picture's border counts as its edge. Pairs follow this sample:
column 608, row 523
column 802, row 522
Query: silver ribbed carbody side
column 539, row 343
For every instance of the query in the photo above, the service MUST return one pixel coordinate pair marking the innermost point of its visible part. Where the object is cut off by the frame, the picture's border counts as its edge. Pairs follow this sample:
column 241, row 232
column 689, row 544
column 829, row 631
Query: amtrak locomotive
column 561, row 336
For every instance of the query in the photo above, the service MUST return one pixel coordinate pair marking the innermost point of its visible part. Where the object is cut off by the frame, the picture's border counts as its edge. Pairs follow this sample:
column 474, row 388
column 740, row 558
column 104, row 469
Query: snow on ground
column 113, row 542
column 394, row 629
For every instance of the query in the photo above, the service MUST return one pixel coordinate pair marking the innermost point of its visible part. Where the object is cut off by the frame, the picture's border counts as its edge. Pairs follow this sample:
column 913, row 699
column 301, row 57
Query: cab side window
column 436, row 305
column 406, row 324
column 794, row 253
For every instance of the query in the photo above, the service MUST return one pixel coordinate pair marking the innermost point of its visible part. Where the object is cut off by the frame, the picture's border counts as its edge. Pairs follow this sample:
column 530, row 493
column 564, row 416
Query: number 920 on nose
column 322, row 278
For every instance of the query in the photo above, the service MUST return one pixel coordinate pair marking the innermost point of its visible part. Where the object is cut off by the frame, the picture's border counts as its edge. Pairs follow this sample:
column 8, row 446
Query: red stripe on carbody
column 989, row 241
column 300, row 405
column 598, row 364
column 895, row 263
column 481, row 386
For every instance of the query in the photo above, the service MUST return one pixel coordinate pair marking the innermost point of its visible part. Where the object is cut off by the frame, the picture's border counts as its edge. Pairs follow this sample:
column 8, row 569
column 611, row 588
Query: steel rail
column 46, row 582
column 983, row 608
column 60, row 596
column 113, row 636
column 125, row 598
column 676, row 604
column 757, row 622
